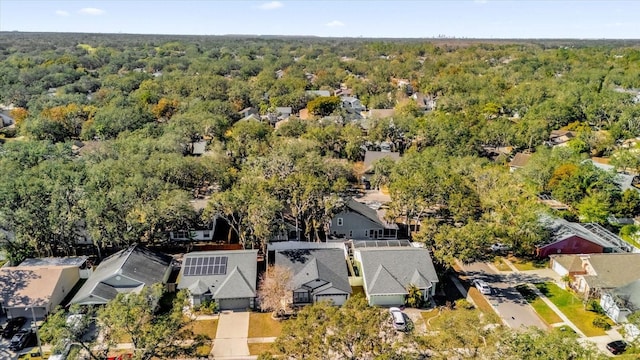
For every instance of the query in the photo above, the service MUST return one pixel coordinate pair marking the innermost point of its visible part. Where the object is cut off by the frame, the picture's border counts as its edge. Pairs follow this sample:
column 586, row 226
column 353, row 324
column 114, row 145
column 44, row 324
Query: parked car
column 397, row 318
column 499, row 247
column 21, row 340
column 482, row 286
column 13, row 326
column 617, row 347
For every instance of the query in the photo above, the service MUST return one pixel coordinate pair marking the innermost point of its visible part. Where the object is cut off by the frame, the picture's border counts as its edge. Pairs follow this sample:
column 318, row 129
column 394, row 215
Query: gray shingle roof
column 389, row 270
column 239, row 281
column 613, row 270
column 369, row 213
column 628, row 296
column 137, row 263
column 310, row 264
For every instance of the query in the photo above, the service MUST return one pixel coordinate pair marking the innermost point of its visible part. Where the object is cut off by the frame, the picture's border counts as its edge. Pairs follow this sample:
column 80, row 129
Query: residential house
column 248, row 111
column 561, row 137
column 251, row 117
column 81, row 263
column 621, row 302
column 128, row 270
column 359, row 221
column 317, row 93
column 380, row 113
column 388, row 271
column 318, row 274
column 283, row 112
column 352, row 104
column 576, row 238
column 199, row 232
column 593, row 274
column 35, row 290
column 227, row 277
column 424, row 102
column 519, row 161
column 624, row 180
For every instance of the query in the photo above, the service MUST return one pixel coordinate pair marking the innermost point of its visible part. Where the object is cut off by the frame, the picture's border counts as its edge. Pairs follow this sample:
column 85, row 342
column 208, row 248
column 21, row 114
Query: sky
column 576, row 19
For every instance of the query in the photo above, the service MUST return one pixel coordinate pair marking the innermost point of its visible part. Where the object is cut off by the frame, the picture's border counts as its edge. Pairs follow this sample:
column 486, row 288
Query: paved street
column 505, row 299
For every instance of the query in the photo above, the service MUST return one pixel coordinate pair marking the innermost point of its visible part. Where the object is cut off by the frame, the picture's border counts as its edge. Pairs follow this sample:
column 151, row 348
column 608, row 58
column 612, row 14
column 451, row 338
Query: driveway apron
column 231, row 336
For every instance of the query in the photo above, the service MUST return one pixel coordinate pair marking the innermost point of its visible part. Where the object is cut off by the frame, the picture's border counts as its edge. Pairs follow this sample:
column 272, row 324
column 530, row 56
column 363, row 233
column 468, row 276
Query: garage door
column 387, row 300
column 559, row 269
column 336, row 299
column 234, row 304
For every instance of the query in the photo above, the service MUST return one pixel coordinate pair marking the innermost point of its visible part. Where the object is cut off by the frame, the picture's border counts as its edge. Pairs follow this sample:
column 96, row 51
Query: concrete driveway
column 506, row 300
column 231, row 336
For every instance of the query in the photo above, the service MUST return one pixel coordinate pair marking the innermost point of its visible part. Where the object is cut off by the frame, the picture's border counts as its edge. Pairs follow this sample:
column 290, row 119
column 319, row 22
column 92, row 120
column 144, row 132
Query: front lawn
column 572, row 307
column 524, row 264
column 259, row 348
column 262, row 325
column 545, row 312
column 427, row 316
column 208, row 328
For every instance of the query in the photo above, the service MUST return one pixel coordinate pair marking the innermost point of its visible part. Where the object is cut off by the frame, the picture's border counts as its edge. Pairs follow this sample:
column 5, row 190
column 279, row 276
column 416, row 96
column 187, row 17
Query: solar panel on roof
column 205, row 265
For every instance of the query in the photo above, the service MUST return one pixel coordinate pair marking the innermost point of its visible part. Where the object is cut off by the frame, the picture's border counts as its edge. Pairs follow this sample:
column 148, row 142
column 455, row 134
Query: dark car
column 617, row 347
column 21, row 339
column 13, row 326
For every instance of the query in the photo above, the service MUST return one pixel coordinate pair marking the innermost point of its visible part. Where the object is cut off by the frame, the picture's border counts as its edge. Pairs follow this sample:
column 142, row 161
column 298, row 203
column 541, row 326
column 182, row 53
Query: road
column 506, row 300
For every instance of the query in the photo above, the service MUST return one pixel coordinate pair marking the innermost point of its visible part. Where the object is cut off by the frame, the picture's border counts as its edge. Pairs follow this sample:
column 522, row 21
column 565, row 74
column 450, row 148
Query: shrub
column 464, row 304
column 594, row 306
column 601, row 322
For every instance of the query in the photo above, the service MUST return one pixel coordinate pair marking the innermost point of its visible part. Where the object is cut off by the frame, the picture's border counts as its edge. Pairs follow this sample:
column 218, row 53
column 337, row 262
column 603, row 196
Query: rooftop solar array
column 381, row 243
column 205, row 265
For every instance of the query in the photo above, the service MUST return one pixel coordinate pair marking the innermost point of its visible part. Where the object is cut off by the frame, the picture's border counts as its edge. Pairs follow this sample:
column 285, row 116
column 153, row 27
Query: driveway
column 231, row 336
column 506, row 300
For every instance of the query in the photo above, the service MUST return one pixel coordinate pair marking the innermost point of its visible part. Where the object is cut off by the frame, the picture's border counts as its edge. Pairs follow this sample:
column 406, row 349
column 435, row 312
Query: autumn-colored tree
column 165, row 108
column 275, row 289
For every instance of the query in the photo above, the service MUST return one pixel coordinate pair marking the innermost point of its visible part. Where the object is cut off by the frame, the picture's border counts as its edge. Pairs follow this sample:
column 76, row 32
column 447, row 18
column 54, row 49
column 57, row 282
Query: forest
column 103, row 127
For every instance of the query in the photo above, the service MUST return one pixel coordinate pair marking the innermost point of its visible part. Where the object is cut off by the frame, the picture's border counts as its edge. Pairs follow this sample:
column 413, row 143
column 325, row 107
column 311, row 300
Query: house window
column 350, row 233
column 340, row 221
column 301, row 297
column 206, row 234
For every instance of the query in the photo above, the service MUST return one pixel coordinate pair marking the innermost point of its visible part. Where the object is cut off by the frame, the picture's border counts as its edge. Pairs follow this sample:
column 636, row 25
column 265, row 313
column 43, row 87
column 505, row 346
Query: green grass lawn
column 262, row 325
column 259, row 348
column 500, row 265
column 427, row 316
column 545, row 312
column 208, row 328
column 482, row 304
column 572, row 307
column 529, row 264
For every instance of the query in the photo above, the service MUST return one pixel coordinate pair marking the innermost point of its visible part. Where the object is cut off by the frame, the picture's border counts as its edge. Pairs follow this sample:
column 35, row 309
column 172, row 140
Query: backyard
column 573, row 308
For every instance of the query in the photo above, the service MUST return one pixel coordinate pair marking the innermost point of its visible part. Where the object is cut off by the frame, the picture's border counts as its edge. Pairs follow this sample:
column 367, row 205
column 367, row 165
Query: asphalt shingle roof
column 310, row 264
column 137, row 263
column 389, row 270
column 239, row 281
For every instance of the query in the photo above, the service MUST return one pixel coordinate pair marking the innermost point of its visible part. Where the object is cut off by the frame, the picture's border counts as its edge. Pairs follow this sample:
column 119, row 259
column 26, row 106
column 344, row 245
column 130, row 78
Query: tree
column 594, row 208
column 276, row 289
column 56, row 330
column 353, row 331
column 415, row 298
column 323, row 105
column 155, row 332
